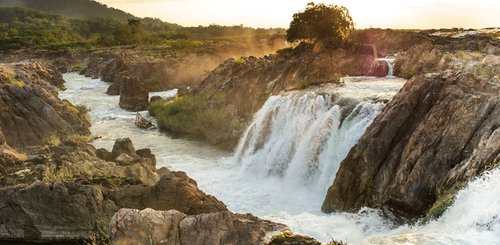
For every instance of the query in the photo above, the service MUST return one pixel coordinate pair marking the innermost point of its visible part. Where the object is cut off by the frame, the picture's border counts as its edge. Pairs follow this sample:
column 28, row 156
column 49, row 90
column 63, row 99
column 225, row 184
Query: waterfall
column 390, row 64
column 301, row 137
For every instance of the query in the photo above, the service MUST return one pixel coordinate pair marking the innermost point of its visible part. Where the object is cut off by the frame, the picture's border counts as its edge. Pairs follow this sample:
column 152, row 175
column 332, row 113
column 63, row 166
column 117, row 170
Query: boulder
column 52, row 212
column 123, row 146
column 134, row 227
column 133, row 95
column 227, row 228
column 378, row 68
column 175, row 190
column 437, row 129
column 155, row 98
column 129, row 226
column 104, row 154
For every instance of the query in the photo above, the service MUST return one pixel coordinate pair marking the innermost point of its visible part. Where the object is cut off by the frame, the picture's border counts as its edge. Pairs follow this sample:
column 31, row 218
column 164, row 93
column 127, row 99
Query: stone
column 123, row 145
column 124, row 159
column 133, row 95
column 148, row 226
column 155, row 98
column 173, row 191
column 438, row 131
column 30, row 110
column 45, row 212
column 227, row 228
column 129, row 226
column 104, row 154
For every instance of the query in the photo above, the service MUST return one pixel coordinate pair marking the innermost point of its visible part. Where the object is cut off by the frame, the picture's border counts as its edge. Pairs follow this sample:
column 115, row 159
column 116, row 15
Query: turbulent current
column 288, row 157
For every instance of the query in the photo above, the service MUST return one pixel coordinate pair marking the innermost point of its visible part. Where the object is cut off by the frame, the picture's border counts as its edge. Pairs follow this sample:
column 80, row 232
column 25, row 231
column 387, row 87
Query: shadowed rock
column 437, row 129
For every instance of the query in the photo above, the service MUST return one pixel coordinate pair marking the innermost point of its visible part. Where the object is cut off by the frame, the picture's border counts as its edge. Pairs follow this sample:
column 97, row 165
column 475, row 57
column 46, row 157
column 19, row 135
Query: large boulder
column 133, row 95
column 175, row 190
column 52, row 212
column 134, row 227
column 437, row 129
column 123, row 146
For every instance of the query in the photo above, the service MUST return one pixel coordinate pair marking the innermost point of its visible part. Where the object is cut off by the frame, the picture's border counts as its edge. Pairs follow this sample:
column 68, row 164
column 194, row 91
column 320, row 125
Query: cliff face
column 30, row 110
column 436, row 133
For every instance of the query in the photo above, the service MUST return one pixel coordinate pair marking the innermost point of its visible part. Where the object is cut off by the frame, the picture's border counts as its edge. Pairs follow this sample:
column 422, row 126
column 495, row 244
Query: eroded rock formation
column 130, row 226
column 436, row 133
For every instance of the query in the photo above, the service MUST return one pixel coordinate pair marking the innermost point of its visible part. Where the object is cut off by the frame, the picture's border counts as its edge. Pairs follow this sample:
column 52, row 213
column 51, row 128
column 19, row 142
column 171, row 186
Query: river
column 288, row 157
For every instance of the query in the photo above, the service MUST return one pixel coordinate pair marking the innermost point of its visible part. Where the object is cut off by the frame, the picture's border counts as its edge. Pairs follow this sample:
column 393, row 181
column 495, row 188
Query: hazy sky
column 278, row 13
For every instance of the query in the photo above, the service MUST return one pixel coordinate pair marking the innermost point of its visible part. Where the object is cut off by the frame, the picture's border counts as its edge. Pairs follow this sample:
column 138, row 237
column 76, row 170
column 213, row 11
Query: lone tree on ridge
column 320, row 22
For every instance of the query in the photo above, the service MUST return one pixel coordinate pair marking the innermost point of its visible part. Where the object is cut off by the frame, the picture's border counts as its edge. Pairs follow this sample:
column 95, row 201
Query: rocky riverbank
column 436, row 134
column 60, row 189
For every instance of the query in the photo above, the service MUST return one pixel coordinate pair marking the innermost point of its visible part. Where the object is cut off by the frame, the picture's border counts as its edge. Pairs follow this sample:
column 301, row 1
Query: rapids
column 288, row 157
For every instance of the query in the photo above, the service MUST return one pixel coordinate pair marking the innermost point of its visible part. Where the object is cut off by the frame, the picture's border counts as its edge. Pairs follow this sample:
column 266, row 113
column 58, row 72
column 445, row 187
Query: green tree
column 320, row 22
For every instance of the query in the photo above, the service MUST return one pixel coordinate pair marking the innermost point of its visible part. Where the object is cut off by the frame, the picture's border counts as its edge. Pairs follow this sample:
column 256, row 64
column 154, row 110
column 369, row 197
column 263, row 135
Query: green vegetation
column 84, row 9
column 75, row 138
column 196, row 116
column 320, row 22
column 51, row 140
column 100, row 233
column 9, row 78
column 27, row 28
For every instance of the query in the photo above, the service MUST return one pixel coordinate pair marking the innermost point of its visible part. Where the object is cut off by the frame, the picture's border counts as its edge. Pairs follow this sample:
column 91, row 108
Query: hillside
column 82, row 9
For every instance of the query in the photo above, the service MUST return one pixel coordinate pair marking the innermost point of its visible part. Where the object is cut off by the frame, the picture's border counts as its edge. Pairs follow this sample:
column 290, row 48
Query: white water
column 390, row 63
column 267, row 175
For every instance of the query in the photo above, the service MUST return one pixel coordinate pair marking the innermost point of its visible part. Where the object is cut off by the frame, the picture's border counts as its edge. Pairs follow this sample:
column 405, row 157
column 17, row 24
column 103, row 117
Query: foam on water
column 287, row 159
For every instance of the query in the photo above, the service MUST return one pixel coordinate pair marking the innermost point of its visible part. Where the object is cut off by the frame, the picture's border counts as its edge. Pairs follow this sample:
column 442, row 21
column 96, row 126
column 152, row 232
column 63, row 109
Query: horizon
column 404, row 14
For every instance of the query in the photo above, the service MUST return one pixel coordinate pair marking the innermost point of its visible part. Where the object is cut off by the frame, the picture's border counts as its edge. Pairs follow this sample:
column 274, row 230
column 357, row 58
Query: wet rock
column 172, row 227
column 133, row 95
column 437, row 129
column 173, row 191
column 123, row 145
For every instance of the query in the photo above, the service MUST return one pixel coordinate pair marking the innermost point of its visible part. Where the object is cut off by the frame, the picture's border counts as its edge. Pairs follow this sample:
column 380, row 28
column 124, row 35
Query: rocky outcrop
column 53, row 212
column 436, row 133
column 437, row 54
column 175, row 190
column 30, row 111
column 133, row 95
column 130, row 226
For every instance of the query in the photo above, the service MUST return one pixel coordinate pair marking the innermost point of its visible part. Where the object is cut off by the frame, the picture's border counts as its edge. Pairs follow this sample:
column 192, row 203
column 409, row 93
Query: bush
column 196, row 116
column 320, row 22
column 51, row 140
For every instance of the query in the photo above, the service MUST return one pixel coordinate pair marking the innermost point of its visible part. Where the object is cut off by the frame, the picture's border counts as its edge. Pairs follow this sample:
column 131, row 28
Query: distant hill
column 81, row 9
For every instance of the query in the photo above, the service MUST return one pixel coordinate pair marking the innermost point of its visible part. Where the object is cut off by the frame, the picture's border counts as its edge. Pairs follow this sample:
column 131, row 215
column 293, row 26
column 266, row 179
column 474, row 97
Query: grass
column 197, row 116
column 77, row 138
column 51, row 140
column 12, row 80
column 100, row 233
column 239, row 61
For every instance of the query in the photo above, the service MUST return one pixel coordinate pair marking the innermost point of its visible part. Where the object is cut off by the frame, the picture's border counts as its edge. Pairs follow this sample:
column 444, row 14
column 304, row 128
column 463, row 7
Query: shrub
column 197, row 116
column 319, row 22
column 51, row 140
column 77, row 138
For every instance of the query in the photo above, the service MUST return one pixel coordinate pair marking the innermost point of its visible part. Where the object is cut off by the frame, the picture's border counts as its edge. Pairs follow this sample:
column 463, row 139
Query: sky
column 399, row 14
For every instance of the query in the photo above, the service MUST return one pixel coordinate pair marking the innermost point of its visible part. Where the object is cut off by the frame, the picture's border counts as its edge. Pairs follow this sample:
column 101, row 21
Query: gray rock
column 123, row 146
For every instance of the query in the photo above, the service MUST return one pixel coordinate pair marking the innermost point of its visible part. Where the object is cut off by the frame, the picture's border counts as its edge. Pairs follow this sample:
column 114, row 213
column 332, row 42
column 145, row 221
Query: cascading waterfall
column 303, row 137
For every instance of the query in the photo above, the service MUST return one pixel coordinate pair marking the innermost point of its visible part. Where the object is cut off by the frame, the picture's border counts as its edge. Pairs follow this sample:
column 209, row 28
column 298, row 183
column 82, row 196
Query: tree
column 320, row 22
